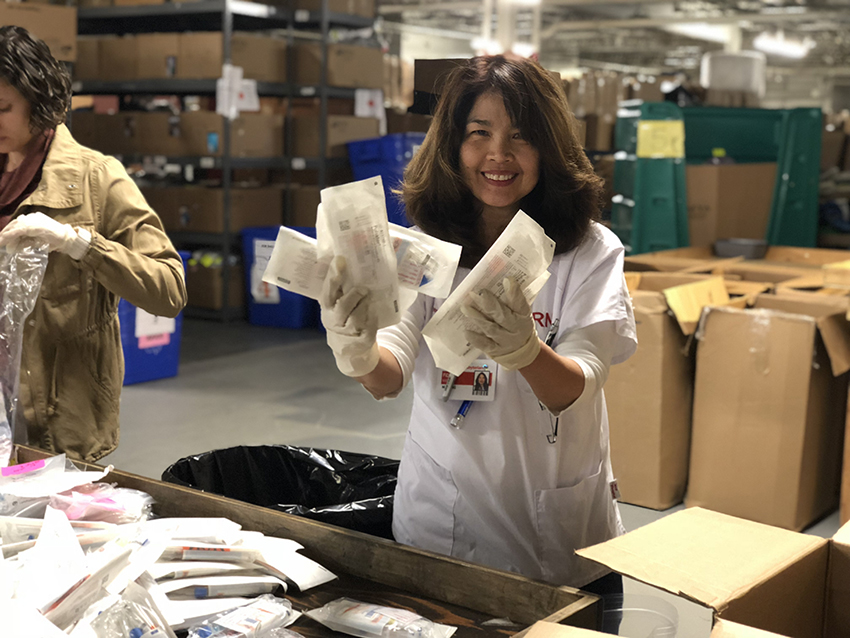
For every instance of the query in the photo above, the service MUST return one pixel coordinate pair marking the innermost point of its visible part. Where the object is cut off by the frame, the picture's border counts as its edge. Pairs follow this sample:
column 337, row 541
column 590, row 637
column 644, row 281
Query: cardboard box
column 56, row 25
column 407, row 122
column 113, row 134
column 729, row 201
column 205, row 287
column 251, row 134
column 349, row 65
column 262, row 58
column 87, row 66
column 832, row 148
column 599, row 131
column 201, row 210
column 647, row 89
column 770, row 397
column 756, row 575
column 364, row 8
column 649, row 400
column 303, row 202
column 341, row 129
column 156, row 55
column 117, row 58
column 430, row 584
column 722, row 629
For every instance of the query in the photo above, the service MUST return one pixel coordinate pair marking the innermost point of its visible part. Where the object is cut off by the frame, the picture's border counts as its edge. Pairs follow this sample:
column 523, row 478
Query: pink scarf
column 17, row 185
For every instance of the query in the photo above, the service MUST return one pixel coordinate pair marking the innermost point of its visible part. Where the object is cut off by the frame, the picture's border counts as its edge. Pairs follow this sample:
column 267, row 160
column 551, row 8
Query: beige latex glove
column 350, row 324
column 35, row 228
column 503, row 330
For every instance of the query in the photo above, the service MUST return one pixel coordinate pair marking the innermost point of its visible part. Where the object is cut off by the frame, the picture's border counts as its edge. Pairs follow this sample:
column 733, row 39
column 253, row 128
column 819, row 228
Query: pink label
column 23, row 468
column 152, row 341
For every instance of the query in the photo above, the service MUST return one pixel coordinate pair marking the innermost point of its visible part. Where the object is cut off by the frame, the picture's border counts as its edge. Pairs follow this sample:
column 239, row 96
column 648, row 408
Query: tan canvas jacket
column 72, row 367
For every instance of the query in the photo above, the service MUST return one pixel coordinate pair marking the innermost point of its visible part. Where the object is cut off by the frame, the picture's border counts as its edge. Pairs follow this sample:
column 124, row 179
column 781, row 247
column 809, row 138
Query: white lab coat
column 496, row 492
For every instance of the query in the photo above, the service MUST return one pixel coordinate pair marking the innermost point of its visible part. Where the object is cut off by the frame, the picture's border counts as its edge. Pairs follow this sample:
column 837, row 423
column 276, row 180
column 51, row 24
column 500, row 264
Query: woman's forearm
column 386, row 379
column 556, row 381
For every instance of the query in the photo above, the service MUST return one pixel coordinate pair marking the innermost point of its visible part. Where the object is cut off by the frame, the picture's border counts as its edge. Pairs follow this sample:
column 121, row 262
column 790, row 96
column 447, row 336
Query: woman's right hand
column 350, row 322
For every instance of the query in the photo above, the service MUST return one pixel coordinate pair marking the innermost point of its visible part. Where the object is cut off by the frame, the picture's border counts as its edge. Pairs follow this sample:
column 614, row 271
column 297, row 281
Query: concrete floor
column 249, row 385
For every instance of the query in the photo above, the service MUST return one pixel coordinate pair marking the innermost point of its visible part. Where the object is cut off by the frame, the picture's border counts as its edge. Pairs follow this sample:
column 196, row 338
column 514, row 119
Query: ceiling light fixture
column 523, row 49
column 486, row 46
column 778, row 45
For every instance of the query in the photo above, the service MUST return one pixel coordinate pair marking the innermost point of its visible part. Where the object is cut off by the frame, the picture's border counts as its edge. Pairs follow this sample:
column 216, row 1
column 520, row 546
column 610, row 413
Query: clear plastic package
column 365, row 620
column 103, row 502
column 21, row 274
column 257, row 619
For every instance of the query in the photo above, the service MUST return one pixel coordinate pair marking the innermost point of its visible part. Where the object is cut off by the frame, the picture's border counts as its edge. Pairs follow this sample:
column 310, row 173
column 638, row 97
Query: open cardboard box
column 788, row 267
column 770, row 398
column 756, row 575
column 649, row 396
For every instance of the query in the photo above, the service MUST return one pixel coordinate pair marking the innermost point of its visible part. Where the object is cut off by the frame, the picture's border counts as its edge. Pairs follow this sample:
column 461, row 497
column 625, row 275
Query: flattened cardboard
column 720, row 561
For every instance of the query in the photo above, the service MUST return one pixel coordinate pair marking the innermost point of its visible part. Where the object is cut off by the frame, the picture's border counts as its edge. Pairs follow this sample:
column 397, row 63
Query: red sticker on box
column 23, row 468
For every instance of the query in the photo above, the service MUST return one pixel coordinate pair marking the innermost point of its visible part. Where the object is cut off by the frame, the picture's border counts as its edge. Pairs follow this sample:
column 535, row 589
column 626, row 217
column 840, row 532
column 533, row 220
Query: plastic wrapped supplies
column 21, row 274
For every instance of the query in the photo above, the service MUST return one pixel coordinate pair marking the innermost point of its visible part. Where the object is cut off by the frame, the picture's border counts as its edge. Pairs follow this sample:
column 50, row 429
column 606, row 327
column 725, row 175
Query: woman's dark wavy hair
column 27, row 64
column 568, row 193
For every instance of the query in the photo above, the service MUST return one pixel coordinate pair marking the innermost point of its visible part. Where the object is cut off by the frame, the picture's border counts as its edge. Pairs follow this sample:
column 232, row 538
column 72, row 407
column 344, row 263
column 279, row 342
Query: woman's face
column 497, row 164
column 482, row 378
column 15, row 131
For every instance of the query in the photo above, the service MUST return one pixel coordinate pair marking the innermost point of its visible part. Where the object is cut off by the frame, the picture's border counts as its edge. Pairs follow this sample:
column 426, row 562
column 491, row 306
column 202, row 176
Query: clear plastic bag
column 365, row 620
column 104, row 502
column 258, row 619
column 21, row 274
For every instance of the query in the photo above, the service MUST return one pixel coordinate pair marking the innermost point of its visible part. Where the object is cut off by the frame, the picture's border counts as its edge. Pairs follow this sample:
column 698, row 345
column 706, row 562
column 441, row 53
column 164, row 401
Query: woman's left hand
column 38, row 227
column 503, row 330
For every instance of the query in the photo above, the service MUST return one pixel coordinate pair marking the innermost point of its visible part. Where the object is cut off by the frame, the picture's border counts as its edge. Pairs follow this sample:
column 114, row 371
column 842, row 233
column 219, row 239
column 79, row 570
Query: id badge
column 476, row 383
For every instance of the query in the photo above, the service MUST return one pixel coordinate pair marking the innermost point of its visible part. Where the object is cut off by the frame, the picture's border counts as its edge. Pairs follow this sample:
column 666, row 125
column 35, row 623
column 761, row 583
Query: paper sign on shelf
column 660, row 139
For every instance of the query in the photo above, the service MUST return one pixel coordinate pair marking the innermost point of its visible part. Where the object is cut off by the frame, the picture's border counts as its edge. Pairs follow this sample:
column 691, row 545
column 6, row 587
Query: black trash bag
column 350, row 490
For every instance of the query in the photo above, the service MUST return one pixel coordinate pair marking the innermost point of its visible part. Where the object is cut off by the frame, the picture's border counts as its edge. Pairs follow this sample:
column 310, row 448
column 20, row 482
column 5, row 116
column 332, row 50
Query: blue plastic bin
column 386, row 156
column 293, row 310
column 153, row 362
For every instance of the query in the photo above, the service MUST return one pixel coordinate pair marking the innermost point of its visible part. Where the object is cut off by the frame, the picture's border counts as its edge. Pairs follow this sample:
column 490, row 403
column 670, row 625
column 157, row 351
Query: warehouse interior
column 757, row 93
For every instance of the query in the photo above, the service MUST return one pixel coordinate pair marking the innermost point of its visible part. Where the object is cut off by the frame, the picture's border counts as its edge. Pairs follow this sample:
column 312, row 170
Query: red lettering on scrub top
column 544, row 320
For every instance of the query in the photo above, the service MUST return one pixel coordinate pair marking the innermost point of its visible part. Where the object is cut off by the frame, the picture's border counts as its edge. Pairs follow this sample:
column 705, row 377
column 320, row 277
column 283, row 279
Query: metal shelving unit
column 226, row 16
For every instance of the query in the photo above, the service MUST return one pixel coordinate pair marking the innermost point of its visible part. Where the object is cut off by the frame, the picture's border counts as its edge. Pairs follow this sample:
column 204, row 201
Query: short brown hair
column 27, row 64
column 568, row 193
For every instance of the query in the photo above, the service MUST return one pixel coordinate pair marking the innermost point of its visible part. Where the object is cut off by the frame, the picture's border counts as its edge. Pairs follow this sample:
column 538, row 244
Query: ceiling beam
column 644, row 23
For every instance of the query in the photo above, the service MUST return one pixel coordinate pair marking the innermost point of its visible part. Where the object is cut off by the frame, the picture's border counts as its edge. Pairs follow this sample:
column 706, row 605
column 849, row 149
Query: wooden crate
column 375, row 570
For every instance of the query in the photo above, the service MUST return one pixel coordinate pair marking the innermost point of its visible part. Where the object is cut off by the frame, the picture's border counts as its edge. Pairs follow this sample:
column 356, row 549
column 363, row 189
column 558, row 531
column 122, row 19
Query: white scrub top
column 495, row 491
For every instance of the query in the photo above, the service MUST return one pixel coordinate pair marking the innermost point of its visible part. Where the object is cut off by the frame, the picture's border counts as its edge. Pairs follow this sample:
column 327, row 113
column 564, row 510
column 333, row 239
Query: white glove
column 35, row 228
column 503, row 330
column 350, row 323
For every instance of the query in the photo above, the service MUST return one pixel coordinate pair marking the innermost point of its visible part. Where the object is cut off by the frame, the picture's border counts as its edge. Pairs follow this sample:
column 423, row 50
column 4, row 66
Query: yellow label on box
column 659, row 139
column 688, row 300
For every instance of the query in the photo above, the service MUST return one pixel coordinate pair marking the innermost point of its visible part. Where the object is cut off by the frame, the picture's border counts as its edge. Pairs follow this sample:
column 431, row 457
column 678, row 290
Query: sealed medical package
column 523, row 252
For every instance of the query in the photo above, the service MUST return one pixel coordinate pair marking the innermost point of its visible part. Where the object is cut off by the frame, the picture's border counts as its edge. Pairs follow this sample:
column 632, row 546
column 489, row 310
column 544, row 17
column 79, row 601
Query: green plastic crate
column 656, row 188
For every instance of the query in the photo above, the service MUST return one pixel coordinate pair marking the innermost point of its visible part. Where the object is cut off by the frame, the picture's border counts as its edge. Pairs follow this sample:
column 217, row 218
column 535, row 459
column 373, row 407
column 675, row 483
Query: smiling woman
column 104, row 241
column 526, row 480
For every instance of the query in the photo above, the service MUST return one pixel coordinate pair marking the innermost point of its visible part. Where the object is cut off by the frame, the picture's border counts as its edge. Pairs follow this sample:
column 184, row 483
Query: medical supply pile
column 81, row 557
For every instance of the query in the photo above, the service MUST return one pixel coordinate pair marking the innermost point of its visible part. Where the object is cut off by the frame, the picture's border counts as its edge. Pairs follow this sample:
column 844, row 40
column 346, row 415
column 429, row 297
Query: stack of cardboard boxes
column 276, row 196
column 763, row 347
